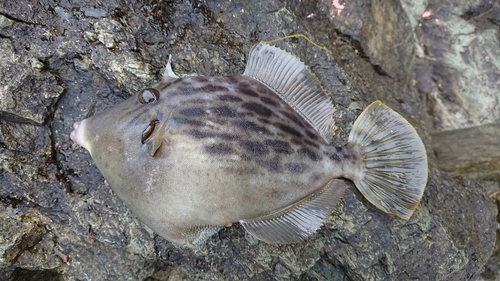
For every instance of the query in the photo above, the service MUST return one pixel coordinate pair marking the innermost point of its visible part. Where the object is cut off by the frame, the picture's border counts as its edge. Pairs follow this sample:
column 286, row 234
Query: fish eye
column 149, row 95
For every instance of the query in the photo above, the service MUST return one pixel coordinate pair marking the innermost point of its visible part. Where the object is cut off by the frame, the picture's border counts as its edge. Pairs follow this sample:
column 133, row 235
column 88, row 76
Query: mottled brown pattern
column 297, row 168
column 279, row 146
column 294, row 117
column 251, row 126
column 224, row 111
column 219, row 149
column 184, row 91
column 272, row 165
column 269, row 101
column 311, row 135
column 201, row 135
column 247, row 91
column 230, row 98
column 257, row 108
column 255, row 147
column 288, row 129
column 311, row 143
column 192, row 112
column 310, row 153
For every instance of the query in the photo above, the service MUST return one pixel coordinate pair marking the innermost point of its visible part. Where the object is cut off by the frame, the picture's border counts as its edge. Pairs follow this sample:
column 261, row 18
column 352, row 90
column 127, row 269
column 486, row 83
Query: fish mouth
column 148, row 132
column 77, row 135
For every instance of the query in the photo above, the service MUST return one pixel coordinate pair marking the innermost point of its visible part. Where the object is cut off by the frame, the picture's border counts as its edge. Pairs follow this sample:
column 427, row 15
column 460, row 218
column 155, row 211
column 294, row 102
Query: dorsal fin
column 293, row 82
column 169, row 73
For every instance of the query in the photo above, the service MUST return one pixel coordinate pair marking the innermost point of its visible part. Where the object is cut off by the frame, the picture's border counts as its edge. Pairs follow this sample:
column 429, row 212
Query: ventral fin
column 298, row 221
column 196, row 236
column 291, row 80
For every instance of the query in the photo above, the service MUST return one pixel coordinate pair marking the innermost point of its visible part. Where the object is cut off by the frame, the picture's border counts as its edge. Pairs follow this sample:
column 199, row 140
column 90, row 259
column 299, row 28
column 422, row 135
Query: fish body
column 191, row 155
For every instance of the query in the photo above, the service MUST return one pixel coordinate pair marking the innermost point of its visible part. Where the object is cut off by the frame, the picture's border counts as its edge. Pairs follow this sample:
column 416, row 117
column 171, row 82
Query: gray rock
column 66, row 61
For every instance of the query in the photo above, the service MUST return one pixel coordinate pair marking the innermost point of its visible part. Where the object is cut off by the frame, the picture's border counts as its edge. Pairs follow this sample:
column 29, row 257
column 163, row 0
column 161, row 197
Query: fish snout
column 77, row 133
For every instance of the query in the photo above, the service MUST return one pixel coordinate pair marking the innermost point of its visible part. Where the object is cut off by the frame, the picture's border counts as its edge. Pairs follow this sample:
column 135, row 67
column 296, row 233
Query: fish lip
column 77, row 135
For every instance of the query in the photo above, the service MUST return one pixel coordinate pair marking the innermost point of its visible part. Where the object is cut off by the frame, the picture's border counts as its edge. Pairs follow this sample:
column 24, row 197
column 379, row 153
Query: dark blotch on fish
column 177, row 81
column 256, row 148
column 201, row 79
column 165, row 84
column 280, row 147
column 230, row 98
column 257, row 108
column 192, row 112
column 201, row 135
column 249, row 125
column 268, row 101
column 232, row 80
column 272, row 165
column 297, row 168
column 185, row 91
column 263, row 120
column 311, row 135
column 247, row 91
column 294, row 118
column 262, row 89
column 313, row 144
column 309, row 153
column 213, row 88
column 228, row 137
column 334, row 156
column 197, row 134
column 224, row 111
column 218, row 149
column 187, row 121
column 196, row 101
column 288, row 129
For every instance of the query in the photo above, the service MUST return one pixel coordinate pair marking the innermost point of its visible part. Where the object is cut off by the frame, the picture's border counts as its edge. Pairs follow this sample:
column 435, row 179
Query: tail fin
column 395, row 158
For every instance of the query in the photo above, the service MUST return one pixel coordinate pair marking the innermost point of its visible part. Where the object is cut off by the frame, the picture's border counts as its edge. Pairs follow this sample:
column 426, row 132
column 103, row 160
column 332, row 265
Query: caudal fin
column 395, row 158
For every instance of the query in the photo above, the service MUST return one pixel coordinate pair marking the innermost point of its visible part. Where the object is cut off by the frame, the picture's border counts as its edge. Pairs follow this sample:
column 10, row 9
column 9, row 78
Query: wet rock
column 27, row 92
column 21, row 274
column 473, row 151
column 58, row 215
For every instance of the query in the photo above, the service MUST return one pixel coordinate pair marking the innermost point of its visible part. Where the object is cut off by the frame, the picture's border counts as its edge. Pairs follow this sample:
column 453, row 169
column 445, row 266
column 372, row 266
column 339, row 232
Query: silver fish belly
column 193, row 154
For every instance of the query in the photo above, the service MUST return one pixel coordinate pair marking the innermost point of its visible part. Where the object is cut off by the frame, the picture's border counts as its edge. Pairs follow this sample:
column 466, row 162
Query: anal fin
column 299, row 220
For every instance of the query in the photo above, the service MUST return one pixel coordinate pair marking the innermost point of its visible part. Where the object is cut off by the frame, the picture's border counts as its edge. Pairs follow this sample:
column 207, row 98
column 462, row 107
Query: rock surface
column 65, row 60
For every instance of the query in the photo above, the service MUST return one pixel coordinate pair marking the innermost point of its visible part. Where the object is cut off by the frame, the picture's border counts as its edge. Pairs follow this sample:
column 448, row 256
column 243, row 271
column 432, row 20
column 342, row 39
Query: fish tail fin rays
column 395, row 160
column 299, row 220
column 294, row 83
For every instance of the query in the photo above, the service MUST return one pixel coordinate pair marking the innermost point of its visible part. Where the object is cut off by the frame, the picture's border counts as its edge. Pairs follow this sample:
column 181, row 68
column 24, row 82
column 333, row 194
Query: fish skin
column 194, row 154
column 232, row 150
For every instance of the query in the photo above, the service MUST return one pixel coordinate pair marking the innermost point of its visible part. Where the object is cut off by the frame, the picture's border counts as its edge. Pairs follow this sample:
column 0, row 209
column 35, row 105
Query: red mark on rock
column 426, row 14
column 64, row 258
column 338, row 6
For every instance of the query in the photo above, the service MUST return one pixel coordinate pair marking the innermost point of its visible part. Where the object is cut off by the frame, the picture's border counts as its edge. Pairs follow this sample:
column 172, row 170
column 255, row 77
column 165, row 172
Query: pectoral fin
column 157, row 138
column 299, row 220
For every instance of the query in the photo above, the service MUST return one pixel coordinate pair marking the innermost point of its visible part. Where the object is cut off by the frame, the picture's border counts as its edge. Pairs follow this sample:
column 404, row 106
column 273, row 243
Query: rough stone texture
column 482, row 141
column 65, row 60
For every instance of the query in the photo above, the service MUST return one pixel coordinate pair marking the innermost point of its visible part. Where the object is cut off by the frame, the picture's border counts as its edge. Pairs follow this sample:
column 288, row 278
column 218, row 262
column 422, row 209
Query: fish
column 191, row 155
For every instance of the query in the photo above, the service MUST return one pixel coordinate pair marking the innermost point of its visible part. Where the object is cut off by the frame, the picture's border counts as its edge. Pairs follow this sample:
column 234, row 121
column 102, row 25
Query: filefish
column 191, row 155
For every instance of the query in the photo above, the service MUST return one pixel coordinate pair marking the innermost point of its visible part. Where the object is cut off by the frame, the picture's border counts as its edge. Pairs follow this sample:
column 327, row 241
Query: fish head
column 123, row 139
